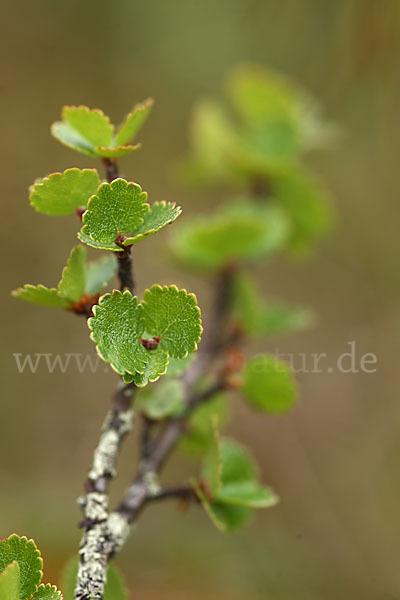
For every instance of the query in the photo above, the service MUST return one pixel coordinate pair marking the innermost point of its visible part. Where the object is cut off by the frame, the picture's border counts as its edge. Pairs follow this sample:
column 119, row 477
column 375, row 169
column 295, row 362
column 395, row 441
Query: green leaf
column 114, row 590
column 247, row 493
column 47, row 592
column 133, row 122
column 155, row 367
column 73, row 281
column 200, row 434
column 162, row 400
column 174, row 316
column 39, row 294
column 226, row 517
column 99, row 273
column 307, row 205
column 90, row 132
column 86, row 239
column 117, row 209
column 214, row 140
column 117, row 327
column 10, row 582
column 268, row 384
column 63, row 193
column 27, row 555
column 242, row 231
column 119, row 324
column 261, row 96
column 159, row 216
column 93, row 125
column 266, row 318
column 213, row 462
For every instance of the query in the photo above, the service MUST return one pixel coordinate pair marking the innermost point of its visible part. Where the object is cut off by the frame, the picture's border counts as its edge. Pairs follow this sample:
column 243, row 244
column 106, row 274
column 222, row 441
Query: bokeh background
column 335, row 459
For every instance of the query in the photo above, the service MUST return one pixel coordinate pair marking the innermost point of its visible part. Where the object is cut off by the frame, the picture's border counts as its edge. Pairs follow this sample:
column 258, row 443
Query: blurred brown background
column 335, row 461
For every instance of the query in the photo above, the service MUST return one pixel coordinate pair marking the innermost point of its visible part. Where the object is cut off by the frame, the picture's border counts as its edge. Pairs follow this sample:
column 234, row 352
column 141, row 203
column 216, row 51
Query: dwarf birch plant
column 175, row 388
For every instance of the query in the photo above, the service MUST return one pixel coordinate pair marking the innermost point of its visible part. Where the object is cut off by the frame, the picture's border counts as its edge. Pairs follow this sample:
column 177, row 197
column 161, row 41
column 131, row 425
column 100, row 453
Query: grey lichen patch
column 104, row 458
column 118, row 528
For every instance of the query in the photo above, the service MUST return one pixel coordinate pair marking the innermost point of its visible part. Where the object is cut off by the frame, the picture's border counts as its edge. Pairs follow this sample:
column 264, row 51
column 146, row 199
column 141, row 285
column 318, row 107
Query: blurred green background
column 335, row 459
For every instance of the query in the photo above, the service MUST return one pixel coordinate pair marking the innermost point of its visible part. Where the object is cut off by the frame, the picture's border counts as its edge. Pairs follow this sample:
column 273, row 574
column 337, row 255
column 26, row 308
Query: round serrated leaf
column 63, row 193
column 27, row 555
column 157, row 362
column 174, row 316
column 117, row 209
column 93, row 124
column 47, row 592
column 117, row 327
column 268, row 384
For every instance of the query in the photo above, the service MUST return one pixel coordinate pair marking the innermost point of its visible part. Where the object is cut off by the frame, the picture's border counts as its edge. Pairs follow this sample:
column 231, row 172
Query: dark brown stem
column 112, row 171
column 125, row 273
column 178, row 492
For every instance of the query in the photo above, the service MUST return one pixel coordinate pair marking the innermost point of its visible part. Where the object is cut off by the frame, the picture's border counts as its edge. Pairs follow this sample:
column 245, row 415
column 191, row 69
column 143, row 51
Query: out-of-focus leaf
column 268, row 384
column 242, row 231
column 162, row 400
column 260, row 317
column 99, row 273
column 307, row 205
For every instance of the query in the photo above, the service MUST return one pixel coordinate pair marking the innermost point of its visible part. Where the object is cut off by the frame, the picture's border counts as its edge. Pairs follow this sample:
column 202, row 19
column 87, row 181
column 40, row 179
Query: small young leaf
column 99, row 273
column 269, row 384
column 114, row 590
column 157, row 362
column 117, row 327
column 63, row 193
column 133, row 122
column 10, row 582
column 241, row 231
column 39, row 294
column 27, row 555
column 163, row 400
column 117, row 209
column 174, row 316
column 159, row 216
column 93, row 125
column 73, row 281
column 47, row 592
